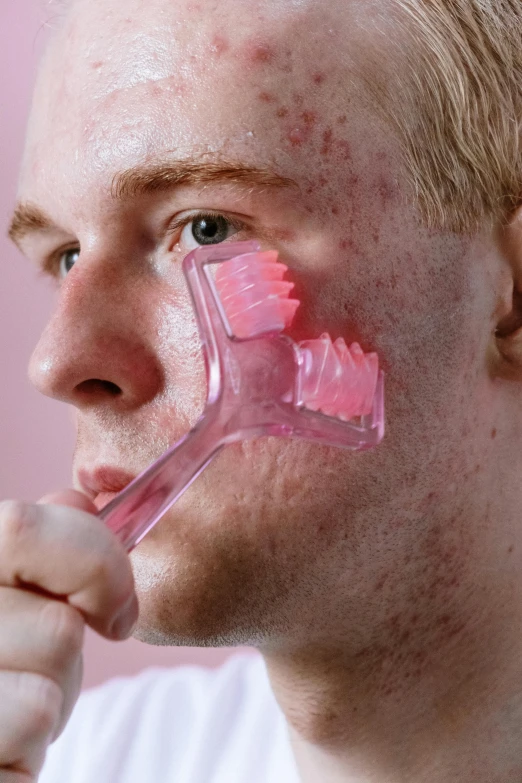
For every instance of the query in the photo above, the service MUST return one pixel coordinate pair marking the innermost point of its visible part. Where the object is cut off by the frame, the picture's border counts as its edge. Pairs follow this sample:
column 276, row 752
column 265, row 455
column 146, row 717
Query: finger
column 34, row 706
column 39, row 635
column 69, row 554
column 71, row 498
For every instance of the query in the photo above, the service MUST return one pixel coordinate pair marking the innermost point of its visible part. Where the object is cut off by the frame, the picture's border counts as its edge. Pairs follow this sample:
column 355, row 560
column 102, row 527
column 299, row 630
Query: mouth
column 103, row 483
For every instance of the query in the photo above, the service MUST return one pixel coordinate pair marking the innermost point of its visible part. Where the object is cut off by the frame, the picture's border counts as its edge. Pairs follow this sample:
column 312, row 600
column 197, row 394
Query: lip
column 103, row 480
column 103, row 499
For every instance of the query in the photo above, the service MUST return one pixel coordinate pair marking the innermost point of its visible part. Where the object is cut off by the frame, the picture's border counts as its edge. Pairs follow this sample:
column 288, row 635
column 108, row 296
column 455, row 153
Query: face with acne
column 276, row 537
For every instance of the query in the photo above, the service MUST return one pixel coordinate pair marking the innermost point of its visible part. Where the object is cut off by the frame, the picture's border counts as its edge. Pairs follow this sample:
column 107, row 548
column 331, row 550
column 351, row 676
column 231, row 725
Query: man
column 376, row 146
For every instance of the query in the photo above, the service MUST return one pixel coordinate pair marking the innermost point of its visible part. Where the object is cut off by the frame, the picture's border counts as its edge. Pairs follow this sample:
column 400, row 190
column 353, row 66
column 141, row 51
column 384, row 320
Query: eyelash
column 180, row 223
column 52, row 265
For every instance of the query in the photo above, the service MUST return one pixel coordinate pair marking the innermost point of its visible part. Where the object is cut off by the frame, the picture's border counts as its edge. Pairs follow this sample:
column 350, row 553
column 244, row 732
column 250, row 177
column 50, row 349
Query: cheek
column 178, row 346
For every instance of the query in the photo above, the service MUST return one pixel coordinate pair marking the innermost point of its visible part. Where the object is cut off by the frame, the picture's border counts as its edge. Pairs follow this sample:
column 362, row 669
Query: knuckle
column 64, row 626
column 112, row 569
column 16, row 521
column 101, row 570
column 42, row 700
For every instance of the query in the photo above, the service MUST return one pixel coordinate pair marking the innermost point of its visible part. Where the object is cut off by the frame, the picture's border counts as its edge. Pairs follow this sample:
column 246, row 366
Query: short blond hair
column 459, row 109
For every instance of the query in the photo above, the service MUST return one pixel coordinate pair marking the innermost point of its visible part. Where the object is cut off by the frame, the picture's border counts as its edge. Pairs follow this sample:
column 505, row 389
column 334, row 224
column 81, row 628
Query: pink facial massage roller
column 260, row 381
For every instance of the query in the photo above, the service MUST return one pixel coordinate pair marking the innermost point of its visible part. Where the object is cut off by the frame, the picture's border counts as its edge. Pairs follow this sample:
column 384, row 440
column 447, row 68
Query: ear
column 508, row 335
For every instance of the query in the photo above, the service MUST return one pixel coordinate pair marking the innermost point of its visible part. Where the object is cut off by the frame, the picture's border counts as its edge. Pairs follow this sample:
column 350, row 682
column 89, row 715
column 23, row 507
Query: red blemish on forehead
column 259, row 53
column 318, row 78
column 97, row 64
column 266, row 97
column 219, row 45
column 282, row 112
column 297, row 137
column 309, row 118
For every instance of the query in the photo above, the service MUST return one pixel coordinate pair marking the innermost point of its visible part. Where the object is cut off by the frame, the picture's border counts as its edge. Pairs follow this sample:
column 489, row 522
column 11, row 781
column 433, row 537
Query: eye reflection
column 68, row 260
column 207, row 229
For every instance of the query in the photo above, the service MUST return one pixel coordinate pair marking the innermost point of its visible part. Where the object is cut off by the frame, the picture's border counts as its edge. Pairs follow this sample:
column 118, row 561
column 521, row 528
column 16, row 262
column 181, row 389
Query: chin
column 201, row 600
column 242, row 562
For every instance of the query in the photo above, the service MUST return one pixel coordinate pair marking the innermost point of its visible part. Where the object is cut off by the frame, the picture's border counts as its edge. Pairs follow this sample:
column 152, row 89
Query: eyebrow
column 28, row 219
column 153, row 178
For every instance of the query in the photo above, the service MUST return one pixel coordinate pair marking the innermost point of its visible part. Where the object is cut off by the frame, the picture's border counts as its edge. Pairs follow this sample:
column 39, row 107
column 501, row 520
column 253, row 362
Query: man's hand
column 60, row 568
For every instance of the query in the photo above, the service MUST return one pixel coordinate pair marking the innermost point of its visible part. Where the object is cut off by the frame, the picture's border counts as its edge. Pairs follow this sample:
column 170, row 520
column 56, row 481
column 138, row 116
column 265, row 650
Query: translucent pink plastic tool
column 260, row 381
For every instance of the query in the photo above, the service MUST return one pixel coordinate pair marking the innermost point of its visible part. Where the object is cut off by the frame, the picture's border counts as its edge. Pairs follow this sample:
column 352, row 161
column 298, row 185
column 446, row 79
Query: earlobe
column 508, row 334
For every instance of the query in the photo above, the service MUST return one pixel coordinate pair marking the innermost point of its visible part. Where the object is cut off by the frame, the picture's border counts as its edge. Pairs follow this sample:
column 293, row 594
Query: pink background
column 36, row 435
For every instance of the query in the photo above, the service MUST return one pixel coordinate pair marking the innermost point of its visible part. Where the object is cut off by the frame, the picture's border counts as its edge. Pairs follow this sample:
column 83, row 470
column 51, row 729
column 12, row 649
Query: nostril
column 97, row 386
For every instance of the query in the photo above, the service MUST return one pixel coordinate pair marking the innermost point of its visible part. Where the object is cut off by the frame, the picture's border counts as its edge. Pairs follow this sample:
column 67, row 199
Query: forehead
column 125, row 80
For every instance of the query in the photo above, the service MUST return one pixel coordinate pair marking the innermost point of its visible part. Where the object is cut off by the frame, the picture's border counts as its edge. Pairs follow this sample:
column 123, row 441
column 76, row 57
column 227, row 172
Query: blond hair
column 459, row 110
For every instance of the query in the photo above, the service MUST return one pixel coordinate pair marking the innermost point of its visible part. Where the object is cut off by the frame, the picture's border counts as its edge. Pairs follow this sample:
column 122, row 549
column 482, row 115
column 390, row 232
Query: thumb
column 71, row 498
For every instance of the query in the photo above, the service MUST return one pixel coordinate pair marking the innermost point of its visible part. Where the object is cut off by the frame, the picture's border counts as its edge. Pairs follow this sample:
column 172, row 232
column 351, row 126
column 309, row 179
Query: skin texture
column 384, row 588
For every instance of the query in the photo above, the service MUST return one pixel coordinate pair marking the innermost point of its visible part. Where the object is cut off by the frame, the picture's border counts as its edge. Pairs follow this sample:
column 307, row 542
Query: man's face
column 277, row 539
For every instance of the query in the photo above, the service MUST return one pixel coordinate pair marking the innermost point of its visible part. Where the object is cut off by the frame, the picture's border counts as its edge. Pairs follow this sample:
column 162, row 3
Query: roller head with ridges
column 254, row 296
column 337, row 380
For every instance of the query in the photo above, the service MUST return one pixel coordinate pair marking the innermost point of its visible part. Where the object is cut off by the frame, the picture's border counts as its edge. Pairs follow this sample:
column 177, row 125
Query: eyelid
column 180, row 221
column 51, row 263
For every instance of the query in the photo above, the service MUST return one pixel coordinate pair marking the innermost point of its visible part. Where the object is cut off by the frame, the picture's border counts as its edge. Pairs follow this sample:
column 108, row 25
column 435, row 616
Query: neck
column 441, row 705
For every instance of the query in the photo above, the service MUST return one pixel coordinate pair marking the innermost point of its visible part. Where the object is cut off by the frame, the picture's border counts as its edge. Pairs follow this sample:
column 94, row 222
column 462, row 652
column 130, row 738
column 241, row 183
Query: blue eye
column 67, row 260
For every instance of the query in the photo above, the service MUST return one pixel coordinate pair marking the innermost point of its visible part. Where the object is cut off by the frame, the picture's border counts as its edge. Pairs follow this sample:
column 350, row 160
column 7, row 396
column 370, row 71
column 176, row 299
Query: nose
column 98, row 347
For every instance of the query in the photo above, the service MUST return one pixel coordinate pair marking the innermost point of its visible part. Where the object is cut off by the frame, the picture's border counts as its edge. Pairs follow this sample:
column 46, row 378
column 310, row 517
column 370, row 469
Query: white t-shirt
column 184, row 725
